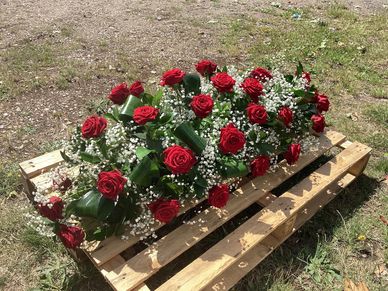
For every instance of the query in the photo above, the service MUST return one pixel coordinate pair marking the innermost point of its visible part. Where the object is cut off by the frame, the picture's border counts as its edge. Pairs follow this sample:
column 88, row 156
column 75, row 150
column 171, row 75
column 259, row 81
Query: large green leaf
column 91, row 204
column 129, row 106
column 192, row 83
column 141, row 152
column 186, row 133
column 89, row 158
column 144, row 172
column 233, row 168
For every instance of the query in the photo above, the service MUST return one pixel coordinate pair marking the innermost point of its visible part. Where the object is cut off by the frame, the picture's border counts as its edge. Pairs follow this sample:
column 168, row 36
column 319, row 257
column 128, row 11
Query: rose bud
column 219, row 195
column 71, row 236
column 285, row 114
column 52, row 209
column 136, row 89
column 206, row 67
column 292, row 153
column 202, row 105
column 164, row 210
column 119, row 94
column 318, row 122
column 261, row 74
column 260, row 165
column 111, row 184
column 179, row 160
column 223, row 82
column 144, row 114
column 231, row 140
column 93, row 126
column 257, row 114
column 172, row 77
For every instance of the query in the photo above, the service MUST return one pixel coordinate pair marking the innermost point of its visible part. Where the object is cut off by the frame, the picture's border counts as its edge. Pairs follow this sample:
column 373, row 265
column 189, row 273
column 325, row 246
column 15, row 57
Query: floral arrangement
column 145, row 157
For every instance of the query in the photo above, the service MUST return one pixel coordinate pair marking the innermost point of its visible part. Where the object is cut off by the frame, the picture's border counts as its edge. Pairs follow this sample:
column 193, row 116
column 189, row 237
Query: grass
column 346, row 52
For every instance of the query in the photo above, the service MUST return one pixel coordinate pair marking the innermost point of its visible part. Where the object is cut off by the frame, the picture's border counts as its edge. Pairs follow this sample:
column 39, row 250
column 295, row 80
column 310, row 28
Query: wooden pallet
column 231, row 258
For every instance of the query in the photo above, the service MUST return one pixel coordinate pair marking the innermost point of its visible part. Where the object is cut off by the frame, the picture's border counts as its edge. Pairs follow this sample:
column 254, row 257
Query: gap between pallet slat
column 218, row 258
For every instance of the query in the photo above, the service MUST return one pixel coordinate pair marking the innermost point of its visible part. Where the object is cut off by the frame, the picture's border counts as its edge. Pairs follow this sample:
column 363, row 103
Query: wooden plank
column 345, row 144
column 266, row 199
column 41, row 164
column 250, row 260
column 218, row 258
column 140, row 267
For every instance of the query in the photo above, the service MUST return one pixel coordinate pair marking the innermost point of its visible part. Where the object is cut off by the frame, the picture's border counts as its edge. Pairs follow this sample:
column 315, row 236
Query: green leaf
column 144, row 172
column 129, row 106
column 157, row 97
column 265, row 148
column 141, row 152
column 192, row 83
column 289, row 78
column 89, row 158
column 65, row 157
column 91, row 204
column 186, row 133
column 233, row 168
column 110, row 116
column 103, row 147
column 299, row 69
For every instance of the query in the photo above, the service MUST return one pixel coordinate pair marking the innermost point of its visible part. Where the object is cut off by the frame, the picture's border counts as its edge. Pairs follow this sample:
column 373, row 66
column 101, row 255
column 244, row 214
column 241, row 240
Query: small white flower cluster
column 38, row 223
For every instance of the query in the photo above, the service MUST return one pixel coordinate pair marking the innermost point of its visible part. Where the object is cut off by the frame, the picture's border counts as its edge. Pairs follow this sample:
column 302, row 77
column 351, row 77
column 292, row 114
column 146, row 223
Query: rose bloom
column 164, row 210
column 62, row 184
column 202, row 105
column 136, row 89
column 253, row 88
column 307, row 77
column 322, row 102
column 231, row 140
column 119, row 94
column 257, row 113
column 172, row 77
column 261, row 74
column 206, row 67
column 179, row 160
column 71, row 236
column 219, row 195
column 223, row 82
column 318, row 122
column 53, row 209
column 144, row 114
column 111, row 184
column 292, row 153
column 285, row 114
column 93, row 126
column 260, row 165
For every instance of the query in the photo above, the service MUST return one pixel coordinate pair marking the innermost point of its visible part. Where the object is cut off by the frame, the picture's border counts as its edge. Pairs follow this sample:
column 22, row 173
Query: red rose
column 52, row 209
column 71, row 236
column 111, row 184
column 285, row 115
column 232, row 140
column 261, row 74
column 322, row 101
column 219, row 195
column 307, row 77
column 119, row 94
column 136, row 89
column 172, row 77
column 164, row 210
column 62, row 184
column 206, row 67
column 318, row 122
column 143, row 114
column 292, row 153
column 179, row 160
column 257, row 113
column 202, row 105
column 260, row 165
column 253, row 88
column 223, row 82
column 93, row 126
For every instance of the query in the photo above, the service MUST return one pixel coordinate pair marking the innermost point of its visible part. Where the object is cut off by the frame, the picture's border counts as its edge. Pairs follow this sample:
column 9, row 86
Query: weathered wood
column 251, row 259
column 41, row 164
column 218, row 258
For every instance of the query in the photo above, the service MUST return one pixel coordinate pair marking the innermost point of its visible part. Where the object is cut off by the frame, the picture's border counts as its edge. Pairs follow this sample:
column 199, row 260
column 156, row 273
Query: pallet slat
column 41, row 164
column 221, row 256
column 142, row 266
